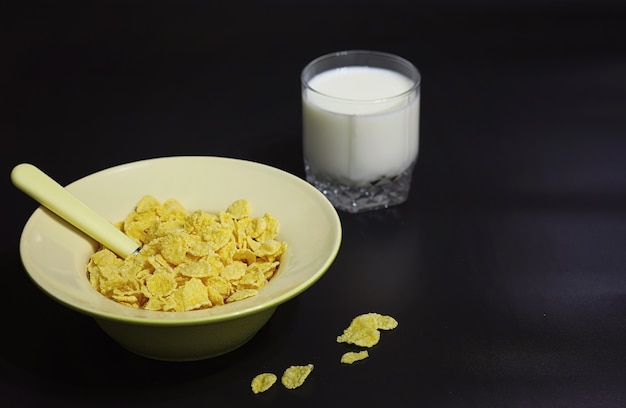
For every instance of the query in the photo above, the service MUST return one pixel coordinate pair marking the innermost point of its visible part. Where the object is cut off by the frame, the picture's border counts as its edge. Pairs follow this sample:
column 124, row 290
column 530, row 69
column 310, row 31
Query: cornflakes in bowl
column 305, row 238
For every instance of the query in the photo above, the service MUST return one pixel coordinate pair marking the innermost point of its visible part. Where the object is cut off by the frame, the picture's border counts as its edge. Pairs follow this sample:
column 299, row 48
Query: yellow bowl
column 55, row 254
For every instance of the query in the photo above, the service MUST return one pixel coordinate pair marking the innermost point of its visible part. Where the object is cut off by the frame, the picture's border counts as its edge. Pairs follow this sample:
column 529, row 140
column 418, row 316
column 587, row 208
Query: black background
column 505, row 269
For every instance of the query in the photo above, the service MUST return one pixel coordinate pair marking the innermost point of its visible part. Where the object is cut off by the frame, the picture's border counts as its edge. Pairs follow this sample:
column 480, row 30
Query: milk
column 360, row 124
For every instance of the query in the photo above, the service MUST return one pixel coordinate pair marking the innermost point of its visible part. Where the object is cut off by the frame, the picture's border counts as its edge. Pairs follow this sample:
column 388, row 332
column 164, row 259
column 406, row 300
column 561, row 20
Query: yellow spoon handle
column 57, row 199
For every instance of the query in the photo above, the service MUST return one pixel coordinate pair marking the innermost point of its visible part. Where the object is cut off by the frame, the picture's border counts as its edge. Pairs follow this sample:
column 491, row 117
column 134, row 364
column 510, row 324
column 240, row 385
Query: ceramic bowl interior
column 55, row 253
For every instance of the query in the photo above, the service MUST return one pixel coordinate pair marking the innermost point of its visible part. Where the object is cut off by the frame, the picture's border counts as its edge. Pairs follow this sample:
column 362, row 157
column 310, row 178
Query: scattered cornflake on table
column 294, row 376
column 263, row 382
column 364, row 330
column 352, row 356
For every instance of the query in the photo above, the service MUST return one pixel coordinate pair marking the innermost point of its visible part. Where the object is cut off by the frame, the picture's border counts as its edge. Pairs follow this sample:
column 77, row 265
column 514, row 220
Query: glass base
column 382, row 193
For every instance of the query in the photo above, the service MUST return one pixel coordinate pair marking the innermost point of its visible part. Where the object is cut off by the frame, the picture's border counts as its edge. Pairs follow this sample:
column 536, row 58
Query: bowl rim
column 194, row 317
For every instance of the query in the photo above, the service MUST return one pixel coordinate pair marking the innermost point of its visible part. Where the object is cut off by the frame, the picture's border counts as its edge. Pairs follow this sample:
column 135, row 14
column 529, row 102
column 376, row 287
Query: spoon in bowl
column 60, row 201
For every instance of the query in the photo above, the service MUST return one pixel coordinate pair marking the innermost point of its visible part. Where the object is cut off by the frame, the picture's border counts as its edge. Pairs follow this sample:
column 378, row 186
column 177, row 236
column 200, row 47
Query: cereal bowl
column 55, row 254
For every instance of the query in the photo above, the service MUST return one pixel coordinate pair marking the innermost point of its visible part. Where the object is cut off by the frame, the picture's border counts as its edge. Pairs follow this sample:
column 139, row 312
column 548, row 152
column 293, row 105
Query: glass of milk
column 360, row 112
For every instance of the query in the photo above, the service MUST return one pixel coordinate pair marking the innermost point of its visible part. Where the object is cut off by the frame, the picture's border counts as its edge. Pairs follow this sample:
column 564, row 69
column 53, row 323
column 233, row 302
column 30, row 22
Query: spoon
column 60, row 201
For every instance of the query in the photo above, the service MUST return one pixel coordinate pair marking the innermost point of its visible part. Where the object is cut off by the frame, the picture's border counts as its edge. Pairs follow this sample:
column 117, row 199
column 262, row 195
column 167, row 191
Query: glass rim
column 414, row 75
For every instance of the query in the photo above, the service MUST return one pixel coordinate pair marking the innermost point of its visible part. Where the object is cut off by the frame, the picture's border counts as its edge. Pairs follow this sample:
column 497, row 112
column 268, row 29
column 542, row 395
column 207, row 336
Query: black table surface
column 506, row 268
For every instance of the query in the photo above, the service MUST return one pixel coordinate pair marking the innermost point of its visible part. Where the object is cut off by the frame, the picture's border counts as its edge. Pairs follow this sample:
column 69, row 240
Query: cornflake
column 294, row 376
column 263, row 382
column 353, row 356
column 189, row 260
column 364, row 329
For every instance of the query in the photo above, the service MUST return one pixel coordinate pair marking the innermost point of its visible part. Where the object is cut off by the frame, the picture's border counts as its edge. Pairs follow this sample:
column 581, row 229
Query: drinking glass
column 360, row 123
